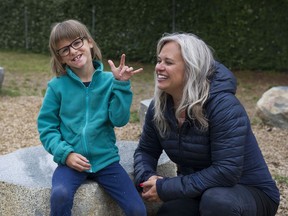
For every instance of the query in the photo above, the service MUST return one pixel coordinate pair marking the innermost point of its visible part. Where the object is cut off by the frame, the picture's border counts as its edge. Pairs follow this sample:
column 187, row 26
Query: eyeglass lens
column 76, row 44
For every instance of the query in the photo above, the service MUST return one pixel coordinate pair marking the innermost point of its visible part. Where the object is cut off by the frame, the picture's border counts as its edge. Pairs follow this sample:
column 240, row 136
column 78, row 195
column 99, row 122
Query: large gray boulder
column 272, row 107
column 25, row 184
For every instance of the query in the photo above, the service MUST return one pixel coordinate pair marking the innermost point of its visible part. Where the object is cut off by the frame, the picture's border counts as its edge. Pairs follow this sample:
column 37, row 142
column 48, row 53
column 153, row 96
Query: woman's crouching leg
column 183, row 207
column 219, row 201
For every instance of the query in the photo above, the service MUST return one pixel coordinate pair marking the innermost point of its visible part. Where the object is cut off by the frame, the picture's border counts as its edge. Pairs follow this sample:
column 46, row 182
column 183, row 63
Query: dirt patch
column 18, row 128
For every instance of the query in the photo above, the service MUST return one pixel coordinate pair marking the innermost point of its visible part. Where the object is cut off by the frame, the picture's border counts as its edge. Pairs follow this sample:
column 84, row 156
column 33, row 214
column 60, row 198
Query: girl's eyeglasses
column 76, row 44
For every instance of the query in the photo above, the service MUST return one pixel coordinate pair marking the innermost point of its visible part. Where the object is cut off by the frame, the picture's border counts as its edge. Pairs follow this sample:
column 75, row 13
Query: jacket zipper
column 179, row 130
column 86, row 122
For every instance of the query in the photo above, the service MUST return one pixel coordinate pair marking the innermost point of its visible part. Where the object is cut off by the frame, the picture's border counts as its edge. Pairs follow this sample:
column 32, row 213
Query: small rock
column 272, row 108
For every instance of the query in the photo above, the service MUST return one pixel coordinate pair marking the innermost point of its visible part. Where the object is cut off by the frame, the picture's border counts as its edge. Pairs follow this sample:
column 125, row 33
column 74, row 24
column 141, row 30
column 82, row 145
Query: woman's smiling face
column 170, row 69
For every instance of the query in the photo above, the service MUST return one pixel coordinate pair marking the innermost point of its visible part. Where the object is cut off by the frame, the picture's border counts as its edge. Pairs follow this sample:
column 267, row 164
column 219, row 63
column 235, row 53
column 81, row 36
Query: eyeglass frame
column 71, row 45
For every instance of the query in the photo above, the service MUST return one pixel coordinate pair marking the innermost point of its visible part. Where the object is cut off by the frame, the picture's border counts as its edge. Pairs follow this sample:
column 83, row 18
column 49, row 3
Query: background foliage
column 244, row 34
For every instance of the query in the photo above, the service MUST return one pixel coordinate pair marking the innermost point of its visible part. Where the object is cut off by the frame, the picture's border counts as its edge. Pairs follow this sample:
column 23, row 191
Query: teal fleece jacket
column 80, row 119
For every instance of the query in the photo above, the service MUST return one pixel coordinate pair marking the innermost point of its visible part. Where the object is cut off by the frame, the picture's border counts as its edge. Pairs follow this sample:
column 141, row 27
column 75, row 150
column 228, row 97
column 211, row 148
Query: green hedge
column 244, row 34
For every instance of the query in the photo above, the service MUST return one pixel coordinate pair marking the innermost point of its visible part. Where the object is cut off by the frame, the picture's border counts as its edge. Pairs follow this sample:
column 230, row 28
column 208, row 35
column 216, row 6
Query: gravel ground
column 18, row 130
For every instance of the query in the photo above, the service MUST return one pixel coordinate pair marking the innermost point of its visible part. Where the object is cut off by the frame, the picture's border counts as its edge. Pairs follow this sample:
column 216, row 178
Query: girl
column 76, row 122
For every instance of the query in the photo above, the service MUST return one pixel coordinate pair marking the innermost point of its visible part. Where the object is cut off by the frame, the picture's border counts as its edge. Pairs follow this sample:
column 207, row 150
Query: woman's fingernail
column 141, row 184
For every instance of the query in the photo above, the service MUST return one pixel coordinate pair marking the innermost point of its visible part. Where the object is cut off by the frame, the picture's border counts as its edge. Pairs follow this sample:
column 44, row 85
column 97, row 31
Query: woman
column 197, row 120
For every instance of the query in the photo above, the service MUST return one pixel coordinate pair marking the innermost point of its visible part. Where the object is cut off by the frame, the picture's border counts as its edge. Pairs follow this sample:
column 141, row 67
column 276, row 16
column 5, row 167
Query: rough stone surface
column 25, row 184
column 1, row 76
column 272, row 107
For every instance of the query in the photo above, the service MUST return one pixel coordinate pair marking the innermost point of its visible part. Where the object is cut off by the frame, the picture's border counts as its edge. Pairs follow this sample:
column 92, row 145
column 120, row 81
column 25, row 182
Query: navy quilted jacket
column 224, row 155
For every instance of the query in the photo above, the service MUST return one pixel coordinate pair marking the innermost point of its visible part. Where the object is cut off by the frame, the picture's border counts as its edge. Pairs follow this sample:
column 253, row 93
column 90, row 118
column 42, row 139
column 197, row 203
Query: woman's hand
column 77, row 162
column 149, row 192
column 123, row 72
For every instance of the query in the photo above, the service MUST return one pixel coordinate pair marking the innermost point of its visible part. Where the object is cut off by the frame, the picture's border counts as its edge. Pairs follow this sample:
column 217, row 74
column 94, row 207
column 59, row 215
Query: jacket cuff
column 159, row 185
column 122, row 83
column 144, row 177
column 65, row 155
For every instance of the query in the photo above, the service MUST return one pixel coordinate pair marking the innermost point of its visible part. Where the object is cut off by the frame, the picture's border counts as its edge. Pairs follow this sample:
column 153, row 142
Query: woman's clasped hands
column 149, row 191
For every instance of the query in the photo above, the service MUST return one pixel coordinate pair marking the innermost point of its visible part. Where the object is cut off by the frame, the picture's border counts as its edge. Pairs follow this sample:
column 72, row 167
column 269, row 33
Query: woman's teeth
column 161, row 76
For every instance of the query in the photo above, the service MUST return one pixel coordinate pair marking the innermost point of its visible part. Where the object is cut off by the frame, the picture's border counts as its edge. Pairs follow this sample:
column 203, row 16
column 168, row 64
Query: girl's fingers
column 130, row 69
column 122, row 61
column 137, row 71
column 112, row 65
column 123, row 70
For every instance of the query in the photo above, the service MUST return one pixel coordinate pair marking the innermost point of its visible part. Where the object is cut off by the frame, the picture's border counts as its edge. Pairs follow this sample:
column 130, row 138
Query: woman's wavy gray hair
column 199, row 62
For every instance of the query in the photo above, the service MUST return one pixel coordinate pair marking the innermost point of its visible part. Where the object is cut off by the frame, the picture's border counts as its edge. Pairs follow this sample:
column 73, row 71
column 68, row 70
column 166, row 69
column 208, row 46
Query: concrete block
column 1, row 76
column 144, row 104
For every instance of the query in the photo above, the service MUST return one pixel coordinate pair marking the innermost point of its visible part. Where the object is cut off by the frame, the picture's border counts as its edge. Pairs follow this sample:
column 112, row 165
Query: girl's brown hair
column 70, row 30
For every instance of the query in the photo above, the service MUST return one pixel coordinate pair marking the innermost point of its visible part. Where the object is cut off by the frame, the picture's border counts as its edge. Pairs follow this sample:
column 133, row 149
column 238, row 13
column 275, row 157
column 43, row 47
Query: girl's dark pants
column 113, row 179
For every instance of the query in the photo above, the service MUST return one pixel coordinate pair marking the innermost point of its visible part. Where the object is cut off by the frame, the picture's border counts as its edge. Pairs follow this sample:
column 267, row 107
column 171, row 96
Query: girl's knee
column 60, row 195
column 138, row 209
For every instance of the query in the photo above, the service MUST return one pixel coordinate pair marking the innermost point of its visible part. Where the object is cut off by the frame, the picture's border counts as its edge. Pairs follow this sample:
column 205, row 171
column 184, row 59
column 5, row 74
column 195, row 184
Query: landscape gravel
column 18, row 129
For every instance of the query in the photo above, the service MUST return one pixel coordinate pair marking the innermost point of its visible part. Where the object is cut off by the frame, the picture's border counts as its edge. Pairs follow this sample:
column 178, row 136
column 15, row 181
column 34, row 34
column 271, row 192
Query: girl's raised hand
column 123, row 72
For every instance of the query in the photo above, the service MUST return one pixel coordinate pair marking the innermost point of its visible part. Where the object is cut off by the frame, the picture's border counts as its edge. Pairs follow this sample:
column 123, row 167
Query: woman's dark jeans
column 223, row 201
